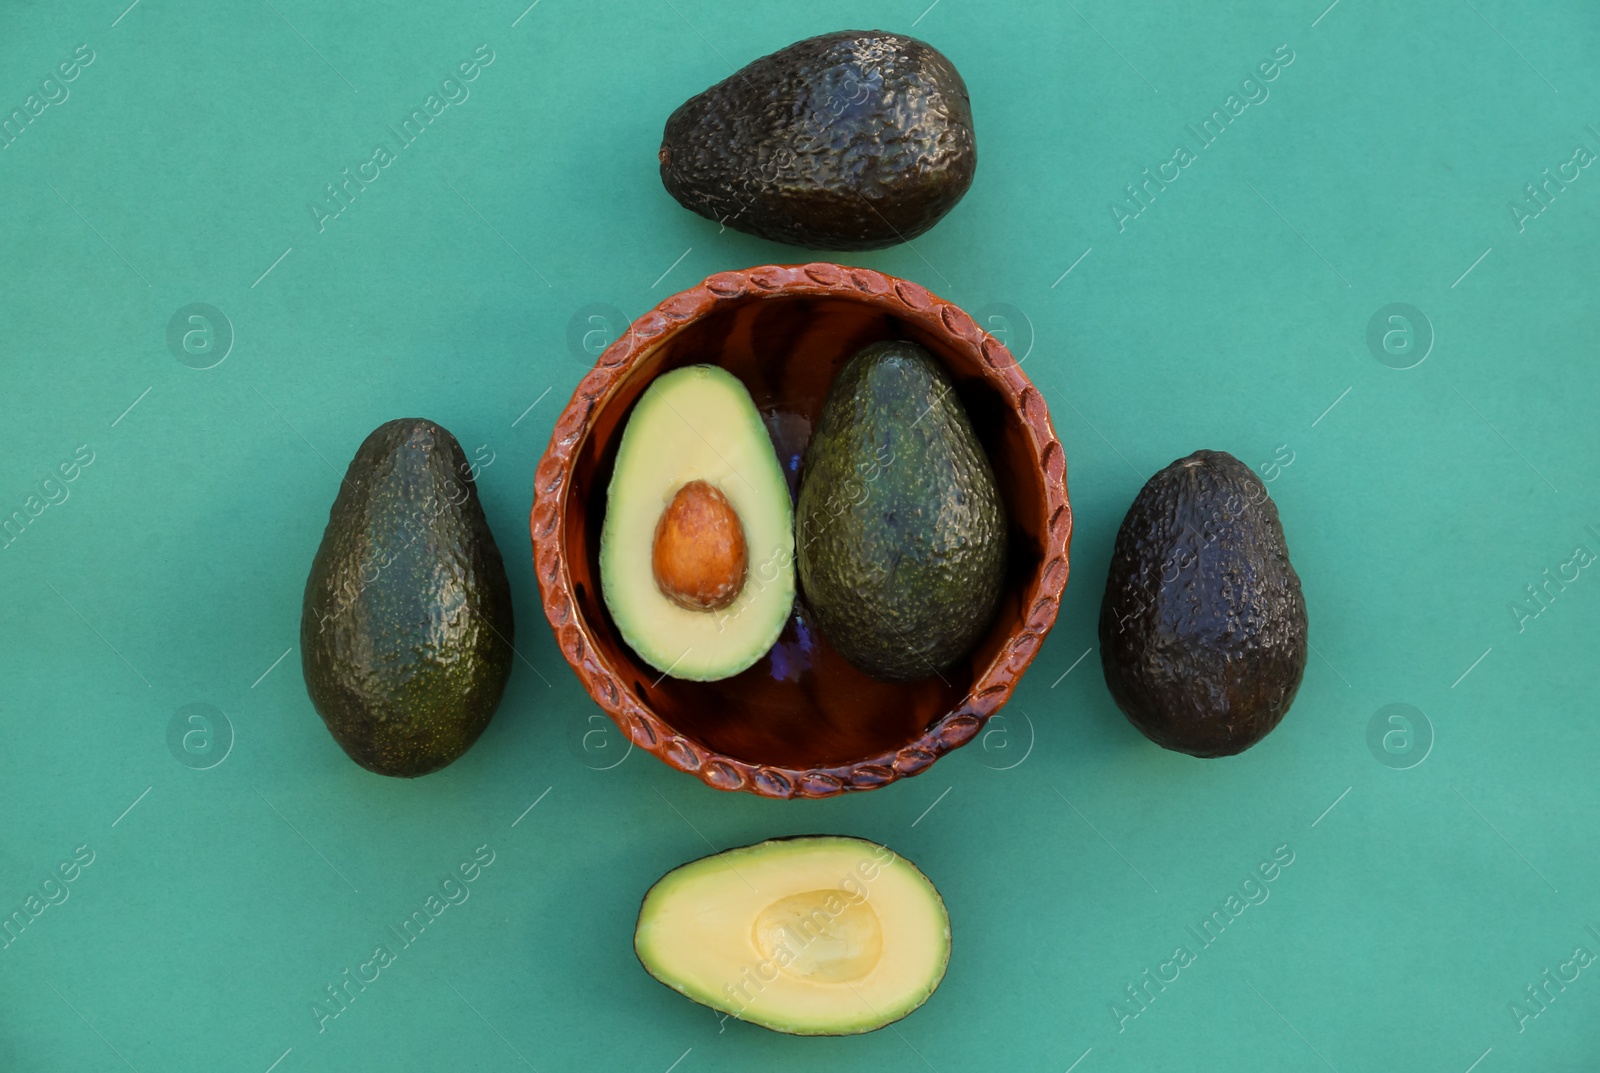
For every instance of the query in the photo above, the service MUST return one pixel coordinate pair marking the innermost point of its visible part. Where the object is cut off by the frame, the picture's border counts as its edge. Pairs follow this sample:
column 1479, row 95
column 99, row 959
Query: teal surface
column 1432, row 481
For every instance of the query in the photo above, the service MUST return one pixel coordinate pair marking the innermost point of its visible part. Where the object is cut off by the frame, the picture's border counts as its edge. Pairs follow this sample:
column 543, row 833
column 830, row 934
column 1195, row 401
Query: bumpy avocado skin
column 900, row 530
column 1203, row 625
column 406, row 627
column 853, row 140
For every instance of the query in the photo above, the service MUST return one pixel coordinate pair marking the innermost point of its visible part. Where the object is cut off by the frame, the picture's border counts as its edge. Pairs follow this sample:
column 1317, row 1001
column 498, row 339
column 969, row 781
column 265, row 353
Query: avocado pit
column 699, row 557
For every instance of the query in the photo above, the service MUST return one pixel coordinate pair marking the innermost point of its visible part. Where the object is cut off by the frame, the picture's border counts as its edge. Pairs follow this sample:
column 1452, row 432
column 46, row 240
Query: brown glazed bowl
column 801, row 722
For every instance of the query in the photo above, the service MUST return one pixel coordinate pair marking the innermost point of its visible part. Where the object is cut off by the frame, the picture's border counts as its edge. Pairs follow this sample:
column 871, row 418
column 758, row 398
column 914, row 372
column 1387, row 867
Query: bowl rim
column 992, row 685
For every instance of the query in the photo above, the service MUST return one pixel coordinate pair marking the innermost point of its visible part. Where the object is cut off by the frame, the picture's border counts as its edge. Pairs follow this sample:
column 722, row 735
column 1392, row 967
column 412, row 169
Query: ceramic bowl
column 802, row 722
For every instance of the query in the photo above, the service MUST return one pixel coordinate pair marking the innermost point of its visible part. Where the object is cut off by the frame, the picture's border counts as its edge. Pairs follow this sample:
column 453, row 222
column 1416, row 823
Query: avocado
column 697, row 547
column 853, row 140
column 406, row 629
column 1203, row 625
column 901, row 532
column 813, row 936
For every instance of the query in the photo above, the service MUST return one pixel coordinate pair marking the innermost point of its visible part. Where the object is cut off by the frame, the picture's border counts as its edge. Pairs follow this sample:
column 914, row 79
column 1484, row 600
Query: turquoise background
column 229, row 886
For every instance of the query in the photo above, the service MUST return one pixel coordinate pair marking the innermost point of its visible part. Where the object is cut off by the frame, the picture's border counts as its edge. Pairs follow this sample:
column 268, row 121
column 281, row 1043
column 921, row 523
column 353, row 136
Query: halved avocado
column 697, row 549
column 814, row 936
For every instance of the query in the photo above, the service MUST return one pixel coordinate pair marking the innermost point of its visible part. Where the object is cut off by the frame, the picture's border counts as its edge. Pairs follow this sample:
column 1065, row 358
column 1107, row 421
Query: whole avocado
column 853, row 140
column 406, row 628
column 1203, row 625
column 899, row 530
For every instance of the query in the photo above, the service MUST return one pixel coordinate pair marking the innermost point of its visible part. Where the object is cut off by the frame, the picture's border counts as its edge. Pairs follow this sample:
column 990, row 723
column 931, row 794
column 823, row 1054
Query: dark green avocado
column 853, row 140
column 1203, row 625
column 406, row 631
column 900, row 532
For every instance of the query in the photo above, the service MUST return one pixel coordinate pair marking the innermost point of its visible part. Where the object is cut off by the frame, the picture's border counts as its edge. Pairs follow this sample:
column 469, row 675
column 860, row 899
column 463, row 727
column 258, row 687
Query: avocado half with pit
column 697, row 548
column 813, row 936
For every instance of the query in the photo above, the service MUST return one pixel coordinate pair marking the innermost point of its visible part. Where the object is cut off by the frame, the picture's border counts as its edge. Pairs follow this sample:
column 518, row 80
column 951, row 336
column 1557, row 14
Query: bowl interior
column 802, row 705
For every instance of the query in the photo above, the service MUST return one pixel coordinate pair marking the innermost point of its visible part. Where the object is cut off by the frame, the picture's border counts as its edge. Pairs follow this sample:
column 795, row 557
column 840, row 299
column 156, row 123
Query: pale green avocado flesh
column 697, row 423
column 813, row 936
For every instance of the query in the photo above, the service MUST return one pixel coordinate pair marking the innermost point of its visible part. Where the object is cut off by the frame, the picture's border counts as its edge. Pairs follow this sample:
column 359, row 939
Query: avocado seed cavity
column 822, row 946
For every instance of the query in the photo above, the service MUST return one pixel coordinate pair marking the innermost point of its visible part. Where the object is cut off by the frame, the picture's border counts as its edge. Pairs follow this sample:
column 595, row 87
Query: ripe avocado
column 406, row 629
column 901, row 532
column 697, row 548
column 853, row 140
column 814, row 936
column 1203, row 625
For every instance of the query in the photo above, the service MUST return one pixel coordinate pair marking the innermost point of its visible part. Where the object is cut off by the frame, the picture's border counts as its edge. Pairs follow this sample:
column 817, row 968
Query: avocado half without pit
column 813, row 936
column 697, row 547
